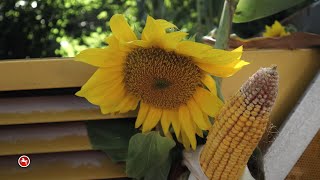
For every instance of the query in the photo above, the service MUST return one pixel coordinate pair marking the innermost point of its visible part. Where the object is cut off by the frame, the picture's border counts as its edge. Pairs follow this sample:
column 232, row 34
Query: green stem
column 225, row 24
column 223, row 33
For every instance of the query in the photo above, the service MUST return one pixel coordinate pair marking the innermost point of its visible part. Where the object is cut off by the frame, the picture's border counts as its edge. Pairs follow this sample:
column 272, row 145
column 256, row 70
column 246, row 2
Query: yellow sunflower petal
column 199, row 132
column 152, row 119
column 197, row 115
column 185, row 140
column 121, row 29
column 165, row 24
column 152, row 32
column 284, row 33
column 240, row 64
column 238, row 49
column 174, row 117
column 187, row 125
column 221, row 57
column 127, row 104
column 210, row 83
column 193, row 49
column 100, row 57
column 138, row 43
column 165, row 122
column 209, row 103
column 143, row 111
column 108, row 103
column 168, row 135
column 223, row 70
column 277, row 26
column 170, row 40
column 124, row 102
column 267, row 33
column 95, row 95
column 102, row 79
column 119, row 49
column 276, row 30
column 268, row 28
column 206, row 118
column 113, row 95
column 107, row 109
column 112, row 41
column 132, row 105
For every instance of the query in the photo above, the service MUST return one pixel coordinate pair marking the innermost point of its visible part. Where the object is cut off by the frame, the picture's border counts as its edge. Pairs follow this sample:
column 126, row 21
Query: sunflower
column 276, row 30
column 167, row 77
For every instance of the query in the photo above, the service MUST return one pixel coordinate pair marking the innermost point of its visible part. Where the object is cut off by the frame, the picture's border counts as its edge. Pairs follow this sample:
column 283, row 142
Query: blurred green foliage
column 48, row 28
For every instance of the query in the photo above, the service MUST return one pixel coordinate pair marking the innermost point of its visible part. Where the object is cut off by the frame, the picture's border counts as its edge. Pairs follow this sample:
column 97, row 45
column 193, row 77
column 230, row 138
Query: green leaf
column 148, row 156
column 111, row 136
column 160, row 173
column 249, row 10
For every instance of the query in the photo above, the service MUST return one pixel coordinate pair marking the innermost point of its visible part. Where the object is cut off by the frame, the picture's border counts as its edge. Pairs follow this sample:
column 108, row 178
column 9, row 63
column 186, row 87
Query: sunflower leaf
column 148, row 156
column 111, row 136
column 249, row 10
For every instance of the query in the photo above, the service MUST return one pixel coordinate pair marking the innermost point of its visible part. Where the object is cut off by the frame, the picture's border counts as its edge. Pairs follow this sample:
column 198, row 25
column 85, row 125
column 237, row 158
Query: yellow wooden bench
column 40, row 116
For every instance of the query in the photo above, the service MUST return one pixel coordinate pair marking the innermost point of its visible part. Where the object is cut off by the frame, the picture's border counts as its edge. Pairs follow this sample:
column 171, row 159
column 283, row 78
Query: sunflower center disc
column 160, row 78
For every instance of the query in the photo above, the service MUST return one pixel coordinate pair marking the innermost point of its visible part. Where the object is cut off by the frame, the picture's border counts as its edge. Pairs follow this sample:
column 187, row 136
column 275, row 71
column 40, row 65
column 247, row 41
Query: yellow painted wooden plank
column 71, row 165
column 296, row 69
column 25, row 110
column 43, row 138
column 43, row 73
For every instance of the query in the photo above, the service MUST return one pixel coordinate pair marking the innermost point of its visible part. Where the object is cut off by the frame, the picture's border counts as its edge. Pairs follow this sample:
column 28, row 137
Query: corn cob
column 239, row 127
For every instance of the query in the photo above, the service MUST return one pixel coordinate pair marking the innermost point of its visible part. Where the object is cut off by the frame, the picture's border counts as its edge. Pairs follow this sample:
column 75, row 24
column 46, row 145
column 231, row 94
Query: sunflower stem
column 225, row 24
column 223, row 33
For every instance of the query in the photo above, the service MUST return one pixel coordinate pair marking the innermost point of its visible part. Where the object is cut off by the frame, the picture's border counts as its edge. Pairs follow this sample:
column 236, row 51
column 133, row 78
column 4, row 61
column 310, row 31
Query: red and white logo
column 24, row 161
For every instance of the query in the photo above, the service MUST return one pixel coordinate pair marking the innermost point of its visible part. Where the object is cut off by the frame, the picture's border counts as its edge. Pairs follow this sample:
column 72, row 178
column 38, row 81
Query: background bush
column 51, row 28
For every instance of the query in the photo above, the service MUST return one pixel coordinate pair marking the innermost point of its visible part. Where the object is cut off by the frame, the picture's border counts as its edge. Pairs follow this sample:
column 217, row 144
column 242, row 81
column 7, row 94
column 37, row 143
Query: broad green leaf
column 148, row 156
column 111, row 136
column 249, row 10
column 160, row 173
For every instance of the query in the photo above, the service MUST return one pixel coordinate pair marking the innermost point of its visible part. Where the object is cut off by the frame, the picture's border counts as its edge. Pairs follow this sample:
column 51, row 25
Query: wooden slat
column 43, row 74
column 43, row 138
column 25, row 110
column 295, row 136
column 71, row 165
